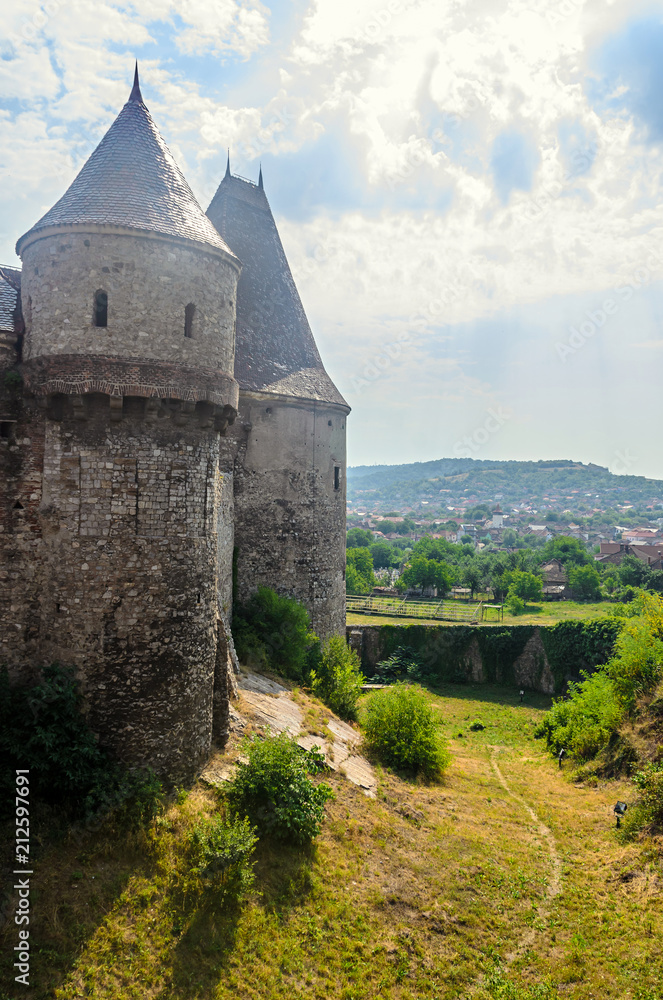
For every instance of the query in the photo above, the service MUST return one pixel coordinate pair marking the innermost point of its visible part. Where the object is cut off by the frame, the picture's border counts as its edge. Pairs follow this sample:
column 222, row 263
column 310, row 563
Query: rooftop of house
column 132, row 180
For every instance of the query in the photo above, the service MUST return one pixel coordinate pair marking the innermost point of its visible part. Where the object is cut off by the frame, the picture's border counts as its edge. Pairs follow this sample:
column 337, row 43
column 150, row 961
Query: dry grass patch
column 414, row 894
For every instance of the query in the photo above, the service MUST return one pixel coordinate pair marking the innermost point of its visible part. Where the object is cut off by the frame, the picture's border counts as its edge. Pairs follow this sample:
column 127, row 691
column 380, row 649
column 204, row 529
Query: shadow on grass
column 78, row 876
column 206, row 945
column 495, row 694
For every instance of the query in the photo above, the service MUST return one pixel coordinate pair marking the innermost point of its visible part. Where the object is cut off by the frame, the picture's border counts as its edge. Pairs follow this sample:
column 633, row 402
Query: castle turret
column 290, row 464
column 128, row 296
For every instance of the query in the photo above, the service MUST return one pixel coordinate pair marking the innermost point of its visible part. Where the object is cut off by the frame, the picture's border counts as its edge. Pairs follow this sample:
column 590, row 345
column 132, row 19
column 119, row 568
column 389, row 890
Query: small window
column 189, row 314
column 101, row 309
column 337, row 477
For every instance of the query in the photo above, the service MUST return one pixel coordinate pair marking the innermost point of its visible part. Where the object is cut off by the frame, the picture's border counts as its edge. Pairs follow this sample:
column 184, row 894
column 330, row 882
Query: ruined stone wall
column 289, row 507
column 149, row 282
column 113, row 568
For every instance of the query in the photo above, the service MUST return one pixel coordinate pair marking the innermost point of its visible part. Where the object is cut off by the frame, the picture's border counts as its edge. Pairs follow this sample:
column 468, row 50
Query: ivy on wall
column 445, row 653
column 575, row 646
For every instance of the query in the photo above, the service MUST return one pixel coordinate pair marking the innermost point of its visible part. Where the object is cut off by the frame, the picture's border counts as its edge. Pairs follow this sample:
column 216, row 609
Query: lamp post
column 619, row 810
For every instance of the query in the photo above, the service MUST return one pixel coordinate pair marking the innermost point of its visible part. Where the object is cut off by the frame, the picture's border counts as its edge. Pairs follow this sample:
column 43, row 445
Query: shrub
column 585, row 722
column 400, row 729
column 338, row 678
column 273, row 789
column 220, row 852
column 649, row 781
column 515, row 604
column 636, row 666
column 271, row 631
column 403, row 662
column 42, row 729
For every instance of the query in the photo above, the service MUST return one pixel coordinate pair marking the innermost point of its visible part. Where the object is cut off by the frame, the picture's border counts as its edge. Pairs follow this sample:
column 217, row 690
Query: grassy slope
column 386, row 904
column 549, row 613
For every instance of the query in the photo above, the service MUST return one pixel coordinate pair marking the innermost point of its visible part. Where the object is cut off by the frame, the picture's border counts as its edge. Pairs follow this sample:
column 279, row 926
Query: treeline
column 516, row 575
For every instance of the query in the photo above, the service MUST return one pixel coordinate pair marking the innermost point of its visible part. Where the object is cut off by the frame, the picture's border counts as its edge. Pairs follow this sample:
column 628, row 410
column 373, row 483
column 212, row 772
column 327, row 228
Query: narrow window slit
column 189, row 313
column 101, row 308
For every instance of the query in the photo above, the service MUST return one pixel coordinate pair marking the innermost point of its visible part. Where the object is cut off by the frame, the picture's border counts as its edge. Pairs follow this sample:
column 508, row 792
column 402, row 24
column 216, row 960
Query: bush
column 515, row 604
column 274, row 791
column 403, row 662
column 400, row 729
column 338, row 678
column 220, row 852
column 649, row 781
column 273, row 632
column 586, row 721
column 42, row 729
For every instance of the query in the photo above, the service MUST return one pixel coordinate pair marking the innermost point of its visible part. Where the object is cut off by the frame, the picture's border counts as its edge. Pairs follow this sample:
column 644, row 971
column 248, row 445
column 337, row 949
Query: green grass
column 415, row 894
column 548, row 613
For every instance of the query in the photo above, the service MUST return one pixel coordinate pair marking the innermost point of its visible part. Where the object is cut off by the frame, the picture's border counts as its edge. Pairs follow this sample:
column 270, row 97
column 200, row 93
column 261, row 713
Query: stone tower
column 118, row 553
column 289, row 439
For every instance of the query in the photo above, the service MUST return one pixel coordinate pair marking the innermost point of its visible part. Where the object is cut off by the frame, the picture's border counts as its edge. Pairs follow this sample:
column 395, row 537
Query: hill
column 425, row 890
column 554, row 485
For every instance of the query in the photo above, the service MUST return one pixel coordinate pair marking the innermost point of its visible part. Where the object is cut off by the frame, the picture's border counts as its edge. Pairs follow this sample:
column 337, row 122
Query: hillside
column 556, row 485
column 505, row 882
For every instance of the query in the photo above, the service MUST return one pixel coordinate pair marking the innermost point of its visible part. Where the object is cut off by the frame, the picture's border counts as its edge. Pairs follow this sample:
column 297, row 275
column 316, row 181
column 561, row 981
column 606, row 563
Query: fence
column 450, row 611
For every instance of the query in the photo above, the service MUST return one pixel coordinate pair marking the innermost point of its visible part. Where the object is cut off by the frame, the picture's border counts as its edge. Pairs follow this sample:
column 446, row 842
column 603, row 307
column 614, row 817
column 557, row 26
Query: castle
column 169, row 441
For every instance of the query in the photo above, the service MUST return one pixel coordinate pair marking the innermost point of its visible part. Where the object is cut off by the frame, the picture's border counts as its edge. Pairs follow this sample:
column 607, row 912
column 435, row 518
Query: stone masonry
column 157, row 443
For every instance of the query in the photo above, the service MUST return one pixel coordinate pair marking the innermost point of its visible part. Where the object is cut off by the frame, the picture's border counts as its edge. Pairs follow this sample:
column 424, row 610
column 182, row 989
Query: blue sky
column 469, row 193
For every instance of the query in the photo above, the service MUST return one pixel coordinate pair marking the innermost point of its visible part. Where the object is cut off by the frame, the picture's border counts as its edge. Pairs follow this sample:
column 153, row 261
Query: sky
column 469, row 193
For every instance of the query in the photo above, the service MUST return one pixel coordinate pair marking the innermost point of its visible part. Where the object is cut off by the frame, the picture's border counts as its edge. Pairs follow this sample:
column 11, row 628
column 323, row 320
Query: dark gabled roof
column 274, row 351
column 10, row 286
column 132, row 180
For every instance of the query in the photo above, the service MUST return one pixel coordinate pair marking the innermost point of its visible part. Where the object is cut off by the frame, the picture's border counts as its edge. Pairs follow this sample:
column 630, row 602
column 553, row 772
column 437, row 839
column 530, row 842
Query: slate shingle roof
column 274, row 349
column 132, row 180
column 10, row 283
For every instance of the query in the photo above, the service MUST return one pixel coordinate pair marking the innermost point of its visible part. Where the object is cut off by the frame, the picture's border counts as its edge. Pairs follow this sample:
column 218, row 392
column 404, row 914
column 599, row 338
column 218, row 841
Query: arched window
column 100, row 308
column 189, row 313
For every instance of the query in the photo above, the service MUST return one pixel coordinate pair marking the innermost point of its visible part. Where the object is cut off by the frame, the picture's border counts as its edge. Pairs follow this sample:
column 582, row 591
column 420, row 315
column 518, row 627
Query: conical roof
column 132, row 180
column 274, row 349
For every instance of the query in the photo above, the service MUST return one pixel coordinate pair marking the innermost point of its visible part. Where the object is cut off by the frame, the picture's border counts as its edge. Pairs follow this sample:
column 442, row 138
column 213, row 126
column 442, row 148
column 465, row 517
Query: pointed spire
column 260, row 178
column 135, row 94
column 228, row 165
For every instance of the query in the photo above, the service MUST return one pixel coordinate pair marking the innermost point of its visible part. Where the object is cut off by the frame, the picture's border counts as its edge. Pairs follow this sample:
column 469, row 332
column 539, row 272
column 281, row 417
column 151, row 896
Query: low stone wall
column 537, row 658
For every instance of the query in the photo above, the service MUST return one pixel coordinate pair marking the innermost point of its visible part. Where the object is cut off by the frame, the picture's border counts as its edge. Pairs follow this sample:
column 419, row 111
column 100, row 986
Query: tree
column 358, row 538
column 525, row 585
column 359, row 575
column 567, row 550
column 423, row 572
column 472, row 577
column 384, row 555
column 633, row 572
column 585, row 583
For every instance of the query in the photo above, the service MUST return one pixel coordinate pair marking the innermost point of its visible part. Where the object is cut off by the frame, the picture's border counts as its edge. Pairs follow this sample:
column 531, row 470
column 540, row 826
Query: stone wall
column 461, row 654
column 113, row 567
column 290, row 504
column 149, row 282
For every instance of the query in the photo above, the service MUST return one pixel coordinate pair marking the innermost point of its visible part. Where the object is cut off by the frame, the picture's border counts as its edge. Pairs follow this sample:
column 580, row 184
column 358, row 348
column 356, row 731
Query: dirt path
column 555, row 881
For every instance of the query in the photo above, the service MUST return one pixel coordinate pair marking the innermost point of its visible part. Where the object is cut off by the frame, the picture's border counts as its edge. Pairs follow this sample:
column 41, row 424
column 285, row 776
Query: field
column 505, row 881
column 547, row 613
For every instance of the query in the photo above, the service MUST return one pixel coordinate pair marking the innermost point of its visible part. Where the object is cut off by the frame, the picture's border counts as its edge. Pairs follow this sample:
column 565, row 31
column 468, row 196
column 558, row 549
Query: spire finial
column 260, row 178
column 135, row 94
column 228, row 164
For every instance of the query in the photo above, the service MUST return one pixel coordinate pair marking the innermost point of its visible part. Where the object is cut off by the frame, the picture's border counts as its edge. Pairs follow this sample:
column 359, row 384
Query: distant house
column 555, row 581
column 615, row 552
